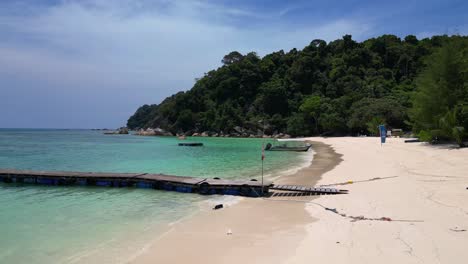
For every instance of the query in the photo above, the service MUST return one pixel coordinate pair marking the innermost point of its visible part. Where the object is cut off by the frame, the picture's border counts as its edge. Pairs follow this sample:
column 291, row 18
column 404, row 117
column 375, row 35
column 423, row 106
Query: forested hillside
column 336, row 88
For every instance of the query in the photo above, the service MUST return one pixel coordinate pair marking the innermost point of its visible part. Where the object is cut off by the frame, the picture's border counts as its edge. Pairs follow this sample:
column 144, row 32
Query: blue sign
column 383, row 133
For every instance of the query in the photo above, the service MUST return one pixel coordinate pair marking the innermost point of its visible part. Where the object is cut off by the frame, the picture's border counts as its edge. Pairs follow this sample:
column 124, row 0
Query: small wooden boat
column 191, row 144
column 286, row 147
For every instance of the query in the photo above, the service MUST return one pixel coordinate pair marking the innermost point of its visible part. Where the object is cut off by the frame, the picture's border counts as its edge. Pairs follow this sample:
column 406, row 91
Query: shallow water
column 50, row 224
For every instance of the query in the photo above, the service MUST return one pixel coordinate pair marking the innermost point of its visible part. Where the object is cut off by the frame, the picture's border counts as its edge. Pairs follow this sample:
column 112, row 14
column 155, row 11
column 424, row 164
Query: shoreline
column 407, row 204
column 257, row 224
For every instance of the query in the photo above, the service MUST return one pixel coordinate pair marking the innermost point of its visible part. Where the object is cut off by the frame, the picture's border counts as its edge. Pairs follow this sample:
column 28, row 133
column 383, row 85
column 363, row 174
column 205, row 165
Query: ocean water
column 51, row 224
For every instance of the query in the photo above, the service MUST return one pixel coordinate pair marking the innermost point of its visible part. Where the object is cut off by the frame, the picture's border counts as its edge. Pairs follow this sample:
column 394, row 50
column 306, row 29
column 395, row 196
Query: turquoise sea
column 51, row 224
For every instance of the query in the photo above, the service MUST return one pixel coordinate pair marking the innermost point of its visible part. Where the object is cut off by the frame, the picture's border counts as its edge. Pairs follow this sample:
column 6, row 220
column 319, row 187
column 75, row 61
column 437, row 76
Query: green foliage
column 297, row 125
column 274, row 97
column 232, row 57
column 441, row 100
column 334, row 88
column 185, row 120
column 373, row 125
column 311, row 107
column 141, row 116
column 450, row 126
column 425, row 135
column 372, row 109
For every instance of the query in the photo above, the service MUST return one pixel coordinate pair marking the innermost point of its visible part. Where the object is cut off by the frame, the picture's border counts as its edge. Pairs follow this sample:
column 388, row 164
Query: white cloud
column 128, row 45
column 459, row 30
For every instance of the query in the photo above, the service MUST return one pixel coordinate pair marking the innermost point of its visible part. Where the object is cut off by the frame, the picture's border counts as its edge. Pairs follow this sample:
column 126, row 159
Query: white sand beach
column 422, row 189
column 430, row 187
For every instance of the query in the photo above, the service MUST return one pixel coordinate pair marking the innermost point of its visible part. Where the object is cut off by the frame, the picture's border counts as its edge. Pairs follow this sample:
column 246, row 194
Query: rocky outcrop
column 238, row 129
column 236, row 132
column 123, row 130
column 161, row 132
column 120, row 131
column 153, row 132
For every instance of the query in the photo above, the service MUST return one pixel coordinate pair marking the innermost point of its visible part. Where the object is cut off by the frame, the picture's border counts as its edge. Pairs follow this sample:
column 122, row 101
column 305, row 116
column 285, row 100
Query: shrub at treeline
column 337, row 88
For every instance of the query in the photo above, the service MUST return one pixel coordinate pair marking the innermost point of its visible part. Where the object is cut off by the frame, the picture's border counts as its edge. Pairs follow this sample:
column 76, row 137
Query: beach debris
column 332, row 210
column 218, row 206
column 357, row 218
column 351, row 182
column 229, row 232
column 456, row 229
column 385, row 219
column 412, row 140
column 354, row 218
column 361, row 217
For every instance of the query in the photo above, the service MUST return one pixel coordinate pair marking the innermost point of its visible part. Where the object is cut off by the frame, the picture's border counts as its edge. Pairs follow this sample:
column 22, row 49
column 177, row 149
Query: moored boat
column 191, row 144
column 288, row 147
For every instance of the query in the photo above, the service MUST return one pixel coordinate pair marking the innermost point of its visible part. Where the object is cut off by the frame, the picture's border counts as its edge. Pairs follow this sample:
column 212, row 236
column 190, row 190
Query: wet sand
column 263, row 230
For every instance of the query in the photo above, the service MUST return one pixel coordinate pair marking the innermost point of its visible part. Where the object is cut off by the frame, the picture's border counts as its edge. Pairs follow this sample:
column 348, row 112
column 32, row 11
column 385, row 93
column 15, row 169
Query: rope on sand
column 361, row 218
column 351, row 182
column 353, row 218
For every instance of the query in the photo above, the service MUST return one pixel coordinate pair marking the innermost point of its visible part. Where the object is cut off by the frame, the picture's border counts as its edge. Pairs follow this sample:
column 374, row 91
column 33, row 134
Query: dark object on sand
column 284, row 147
column 412, row 140
column 332, row 210
column 218, row 206
column 191, row 144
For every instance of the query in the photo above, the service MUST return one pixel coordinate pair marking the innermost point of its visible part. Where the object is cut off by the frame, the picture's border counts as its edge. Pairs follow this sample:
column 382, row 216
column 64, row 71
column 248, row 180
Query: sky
column 92, row 63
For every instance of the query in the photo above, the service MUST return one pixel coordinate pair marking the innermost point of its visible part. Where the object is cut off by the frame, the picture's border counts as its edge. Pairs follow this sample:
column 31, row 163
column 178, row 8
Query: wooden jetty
column 141, row 180
column 250, row 188
column 309, row 190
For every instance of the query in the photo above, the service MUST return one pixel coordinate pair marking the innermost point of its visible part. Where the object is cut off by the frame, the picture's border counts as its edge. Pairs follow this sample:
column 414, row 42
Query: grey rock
column 238, row 129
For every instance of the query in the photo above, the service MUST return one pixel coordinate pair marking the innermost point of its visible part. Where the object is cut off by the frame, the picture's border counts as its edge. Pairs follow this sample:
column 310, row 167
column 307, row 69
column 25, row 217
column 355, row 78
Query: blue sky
column 91, row 63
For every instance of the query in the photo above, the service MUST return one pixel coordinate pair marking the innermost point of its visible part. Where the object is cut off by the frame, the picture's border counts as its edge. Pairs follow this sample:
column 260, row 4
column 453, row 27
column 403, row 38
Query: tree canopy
column 440, row 104
column 340, row 87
